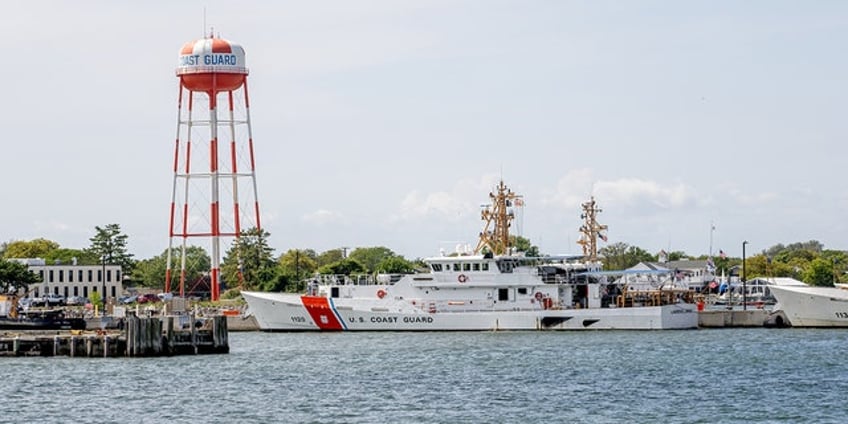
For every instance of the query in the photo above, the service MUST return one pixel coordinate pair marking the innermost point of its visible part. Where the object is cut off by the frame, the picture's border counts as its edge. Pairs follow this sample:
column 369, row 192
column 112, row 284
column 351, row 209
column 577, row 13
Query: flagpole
column 712, row 229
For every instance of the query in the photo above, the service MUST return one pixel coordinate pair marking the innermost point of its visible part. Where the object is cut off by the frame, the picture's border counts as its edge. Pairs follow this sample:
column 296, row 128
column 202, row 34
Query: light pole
column 103, row 280
column 744, row 279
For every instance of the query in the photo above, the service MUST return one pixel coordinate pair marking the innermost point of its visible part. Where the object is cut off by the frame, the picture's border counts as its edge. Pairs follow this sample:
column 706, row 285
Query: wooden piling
column 140, row 337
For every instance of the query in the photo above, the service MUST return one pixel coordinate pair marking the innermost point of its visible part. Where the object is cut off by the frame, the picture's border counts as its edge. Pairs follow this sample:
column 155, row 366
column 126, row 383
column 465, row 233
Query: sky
column 696, row 125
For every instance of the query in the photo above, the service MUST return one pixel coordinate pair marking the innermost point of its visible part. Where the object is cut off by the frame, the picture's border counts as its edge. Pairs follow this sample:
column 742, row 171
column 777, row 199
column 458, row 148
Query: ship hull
column 290, row 312
column 812, row 306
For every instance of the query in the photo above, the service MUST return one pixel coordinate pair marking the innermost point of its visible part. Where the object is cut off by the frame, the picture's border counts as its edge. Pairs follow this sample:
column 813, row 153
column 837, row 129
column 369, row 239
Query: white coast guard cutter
column 480, row 292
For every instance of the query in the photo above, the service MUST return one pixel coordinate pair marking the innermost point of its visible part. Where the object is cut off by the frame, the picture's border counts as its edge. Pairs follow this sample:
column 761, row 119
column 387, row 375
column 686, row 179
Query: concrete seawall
column 242, row 323
column 721, row 318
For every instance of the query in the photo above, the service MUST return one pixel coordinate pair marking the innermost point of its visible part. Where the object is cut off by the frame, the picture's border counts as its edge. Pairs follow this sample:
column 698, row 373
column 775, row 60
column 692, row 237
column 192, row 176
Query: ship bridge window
column 522, row 290
column 505, row 266
column 486, row 266
column 466, row 267
column 436, row 267
column 476, row 267
column 456, row 267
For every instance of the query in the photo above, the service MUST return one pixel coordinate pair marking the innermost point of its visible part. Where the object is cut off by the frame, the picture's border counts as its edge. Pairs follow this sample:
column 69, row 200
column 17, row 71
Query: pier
column 140, row 337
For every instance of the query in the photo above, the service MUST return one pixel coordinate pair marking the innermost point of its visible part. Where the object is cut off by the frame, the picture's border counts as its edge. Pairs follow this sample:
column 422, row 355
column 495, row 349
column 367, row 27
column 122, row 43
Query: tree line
column 250, row 263
column 806, row 261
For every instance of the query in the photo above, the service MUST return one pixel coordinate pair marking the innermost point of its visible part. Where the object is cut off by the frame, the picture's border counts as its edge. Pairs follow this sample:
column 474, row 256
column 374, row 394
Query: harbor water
column 697, row 376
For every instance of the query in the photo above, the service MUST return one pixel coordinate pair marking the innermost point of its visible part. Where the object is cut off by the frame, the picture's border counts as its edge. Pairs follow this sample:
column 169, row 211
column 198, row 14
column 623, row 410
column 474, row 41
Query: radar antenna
column 591, row 230
column 498, row 217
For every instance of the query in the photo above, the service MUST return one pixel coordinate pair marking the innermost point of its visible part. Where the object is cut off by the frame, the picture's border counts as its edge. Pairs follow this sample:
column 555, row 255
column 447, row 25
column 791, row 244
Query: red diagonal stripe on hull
column 322, row 315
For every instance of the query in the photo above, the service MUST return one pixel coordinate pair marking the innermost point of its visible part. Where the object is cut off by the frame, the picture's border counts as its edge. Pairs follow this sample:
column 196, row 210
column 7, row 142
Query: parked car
column 76, row 301
column 126, row 300
column 148, row 298
column 165, row 296
column 54, row 299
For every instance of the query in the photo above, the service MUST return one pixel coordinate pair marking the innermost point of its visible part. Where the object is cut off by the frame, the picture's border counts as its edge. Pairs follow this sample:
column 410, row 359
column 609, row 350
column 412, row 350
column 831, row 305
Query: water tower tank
column 212, row 65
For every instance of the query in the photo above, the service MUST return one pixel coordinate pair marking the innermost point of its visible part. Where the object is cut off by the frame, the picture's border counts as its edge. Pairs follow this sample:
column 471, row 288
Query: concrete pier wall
column 724, row 318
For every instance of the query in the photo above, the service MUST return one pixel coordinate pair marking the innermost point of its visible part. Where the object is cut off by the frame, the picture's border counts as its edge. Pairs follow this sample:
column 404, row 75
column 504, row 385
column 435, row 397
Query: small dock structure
column 139, row 337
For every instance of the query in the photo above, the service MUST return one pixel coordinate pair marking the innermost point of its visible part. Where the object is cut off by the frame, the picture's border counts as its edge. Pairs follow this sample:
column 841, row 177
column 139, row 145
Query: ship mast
column 591, row 230
column 498, row 217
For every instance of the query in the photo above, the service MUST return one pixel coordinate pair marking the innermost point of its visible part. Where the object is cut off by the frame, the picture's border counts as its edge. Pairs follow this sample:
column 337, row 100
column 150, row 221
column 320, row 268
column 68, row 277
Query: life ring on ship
column 462, row 278
column 539, row 296
column 381, row 293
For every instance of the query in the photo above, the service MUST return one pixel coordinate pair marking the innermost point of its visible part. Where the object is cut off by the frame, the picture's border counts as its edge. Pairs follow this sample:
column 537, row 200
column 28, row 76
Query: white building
column 74, row 280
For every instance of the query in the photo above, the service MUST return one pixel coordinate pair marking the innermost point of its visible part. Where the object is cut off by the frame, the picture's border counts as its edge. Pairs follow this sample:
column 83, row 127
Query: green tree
column 15, row 277
column 395, row 265
column 110, row 246
column 37, row 248
column 297, row 263
column 67, row 256
column 249, row 263
column 370, row 257
column 329, row 257
column 614, row 256
column 151, row 272
column 522, row 244
column 819, row 273
column 96, row 299
column 618, row 256
column 343, row 267
column 839, row 259
column 676, row 255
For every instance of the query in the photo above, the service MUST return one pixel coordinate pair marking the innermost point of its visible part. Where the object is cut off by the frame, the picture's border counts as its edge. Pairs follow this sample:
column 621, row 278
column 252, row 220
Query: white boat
column 809, row 306
column 476, row 293
column 480, row 292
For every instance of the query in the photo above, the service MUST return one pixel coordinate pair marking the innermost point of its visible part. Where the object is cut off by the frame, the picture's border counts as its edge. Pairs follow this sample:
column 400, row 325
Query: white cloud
column 634, row 191
column 51, row 226
column 571, row 190
column 576, row 186
column 462, row 201
column 752, row 199
column 323, row 217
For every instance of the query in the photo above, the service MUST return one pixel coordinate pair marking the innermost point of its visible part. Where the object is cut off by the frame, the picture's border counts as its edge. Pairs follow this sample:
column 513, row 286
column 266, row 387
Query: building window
column 109, row 275
column 61, row 276
column 90, row 279
column 71, row 277
column 76, row 290
column 113, row 291
column 118, row 276
column 66, row 292
column 79, row 273
column 50, row 276
column 99, row 276
column 85, row 292
column 41, row 274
